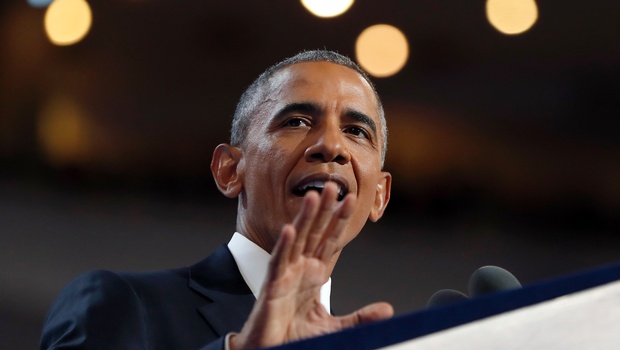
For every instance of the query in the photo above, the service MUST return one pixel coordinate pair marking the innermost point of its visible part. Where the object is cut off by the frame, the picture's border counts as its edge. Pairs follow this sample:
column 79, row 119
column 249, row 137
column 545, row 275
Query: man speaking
column 308, row 141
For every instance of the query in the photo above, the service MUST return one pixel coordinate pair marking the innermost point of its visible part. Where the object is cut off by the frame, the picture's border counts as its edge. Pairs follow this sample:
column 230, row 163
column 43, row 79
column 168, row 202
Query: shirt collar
column 253, row 261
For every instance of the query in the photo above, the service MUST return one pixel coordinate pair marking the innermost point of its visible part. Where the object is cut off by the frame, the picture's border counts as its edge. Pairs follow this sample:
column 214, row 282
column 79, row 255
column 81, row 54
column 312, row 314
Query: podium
column 576, row 311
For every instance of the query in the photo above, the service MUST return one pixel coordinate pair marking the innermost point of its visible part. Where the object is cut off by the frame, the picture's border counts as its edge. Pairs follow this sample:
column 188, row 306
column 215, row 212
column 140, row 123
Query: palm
column 299, row 298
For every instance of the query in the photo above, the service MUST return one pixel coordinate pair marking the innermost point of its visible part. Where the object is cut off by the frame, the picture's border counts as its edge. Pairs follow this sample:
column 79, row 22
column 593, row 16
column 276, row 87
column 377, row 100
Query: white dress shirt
column 253, row 262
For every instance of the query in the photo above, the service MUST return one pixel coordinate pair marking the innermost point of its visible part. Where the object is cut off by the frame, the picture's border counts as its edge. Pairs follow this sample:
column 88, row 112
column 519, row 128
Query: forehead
column 324, row 83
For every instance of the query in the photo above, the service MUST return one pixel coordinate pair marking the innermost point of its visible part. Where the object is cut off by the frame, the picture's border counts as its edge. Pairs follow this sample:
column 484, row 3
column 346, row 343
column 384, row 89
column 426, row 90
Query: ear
column 226, row 171
column 382, row 197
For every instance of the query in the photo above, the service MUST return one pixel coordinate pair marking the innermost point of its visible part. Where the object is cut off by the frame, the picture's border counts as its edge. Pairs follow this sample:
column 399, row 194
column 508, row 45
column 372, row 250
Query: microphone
column 445, row 296
column 488, row 279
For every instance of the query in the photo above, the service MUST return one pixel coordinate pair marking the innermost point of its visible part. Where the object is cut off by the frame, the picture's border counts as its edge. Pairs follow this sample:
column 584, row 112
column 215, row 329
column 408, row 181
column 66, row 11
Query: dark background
column 504, row 149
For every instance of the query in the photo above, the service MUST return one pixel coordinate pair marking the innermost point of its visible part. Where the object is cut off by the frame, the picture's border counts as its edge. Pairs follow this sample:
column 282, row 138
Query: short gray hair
column 254, row 94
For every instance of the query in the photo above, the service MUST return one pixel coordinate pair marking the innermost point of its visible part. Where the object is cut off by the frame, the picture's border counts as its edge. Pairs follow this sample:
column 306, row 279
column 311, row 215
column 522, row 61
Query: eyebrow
column 362, row 118
column 306, row 107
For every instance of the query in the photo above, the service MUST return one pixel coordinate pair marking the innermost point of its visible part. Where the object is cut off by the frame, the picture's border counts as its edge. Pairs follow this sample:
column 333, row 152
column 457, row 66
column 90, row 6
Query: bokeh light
column 67, row 21
column 327, row 8
column 382, row 50
column 63, row 131
column 39, row 3
column 512, row 16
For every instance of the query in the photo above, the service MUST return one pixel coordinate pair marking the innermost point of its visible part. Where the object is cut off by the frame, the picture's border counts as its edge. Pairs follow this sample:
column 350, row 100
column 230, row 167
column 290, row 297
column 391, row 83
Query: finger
column 370, row 313
column 303, row 222
column 281, row 252
column 323, row 218
column 332, row 240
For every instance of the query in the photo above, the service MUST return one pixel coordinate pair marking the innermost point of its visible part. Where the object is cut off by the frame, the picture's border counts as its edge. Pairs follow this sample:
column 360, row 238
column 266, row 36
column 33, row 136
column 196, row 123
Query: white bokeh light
column 327, row 8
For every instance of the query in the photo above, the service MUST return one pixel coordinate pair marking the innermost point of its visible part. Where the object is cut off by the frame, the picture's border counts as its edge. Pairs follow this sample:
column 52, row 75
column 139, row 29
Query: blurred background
column 503, row 142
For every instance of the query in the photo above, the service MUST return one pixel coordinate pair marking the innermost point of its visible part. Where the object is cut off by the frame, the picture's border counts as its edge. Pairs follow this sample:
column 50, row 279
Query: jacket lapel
column 230, row 300
column 228, row 312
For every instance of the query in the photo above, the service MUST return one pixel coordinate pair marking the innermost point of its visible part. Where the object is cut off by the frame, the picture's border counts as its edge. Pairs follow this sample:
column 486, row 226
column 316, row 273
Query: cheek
column 269, row 163
column 268, row 153
column 277, row 151
column 367, row 175
column 270, row 160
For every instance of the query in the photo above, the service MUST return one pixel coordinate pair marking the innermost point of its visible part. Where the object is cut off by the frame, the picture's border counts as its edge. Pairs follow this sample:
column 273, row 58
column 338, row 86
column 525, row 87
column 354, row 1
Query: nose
column 328, row 146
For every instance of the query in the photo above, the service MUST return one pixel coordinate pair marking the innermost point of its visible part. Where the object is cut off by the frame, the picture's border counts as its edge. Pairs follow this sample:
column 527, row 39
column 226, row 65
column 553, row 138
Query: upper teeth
column 319, row 184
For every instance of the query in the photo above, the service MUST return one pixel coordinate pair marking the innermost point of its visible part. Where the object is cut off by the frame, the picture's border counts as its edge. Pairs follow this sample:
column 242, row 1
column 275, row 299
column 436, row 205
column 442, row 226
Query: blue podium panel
column 532, row 301
column 588, row 319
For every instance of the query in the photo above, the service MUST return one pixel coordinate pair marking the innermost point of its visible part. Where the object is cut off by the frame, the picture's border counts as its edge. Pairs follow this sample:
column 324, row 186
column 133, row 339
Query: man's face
column 318, row 122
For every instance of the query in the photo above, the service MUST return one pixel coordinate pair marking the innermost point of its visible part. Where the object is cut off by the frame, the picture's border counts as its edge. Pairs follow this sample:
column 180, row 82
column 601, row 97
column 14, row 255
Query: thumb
column 370, row 313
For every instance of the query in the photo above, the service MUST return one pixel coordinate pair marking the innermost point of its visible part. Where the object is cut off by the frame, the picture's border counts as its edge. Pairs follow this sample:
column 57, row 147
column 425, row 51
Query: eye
column 296, row 122
column 357, row 131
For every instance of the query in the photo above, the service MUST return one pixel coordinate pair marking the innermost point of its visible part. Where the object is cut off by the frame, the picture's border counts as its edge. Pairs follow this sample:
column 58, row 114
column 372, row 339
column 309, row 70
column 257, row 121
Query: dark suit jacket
column 188, row 308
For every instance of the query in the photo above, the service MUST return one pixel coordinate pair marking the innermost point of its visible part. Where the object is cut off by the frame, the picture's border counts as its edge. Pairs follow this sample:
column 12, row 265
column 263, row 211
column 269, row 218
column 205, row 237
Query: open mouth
column 319, row 185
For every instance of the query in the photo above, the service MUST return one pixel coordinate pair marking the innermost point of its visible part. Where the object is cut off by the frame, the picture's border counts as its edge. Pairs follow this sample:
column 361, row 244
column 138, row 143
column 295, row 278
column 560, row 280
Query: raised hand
column 289, row 307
